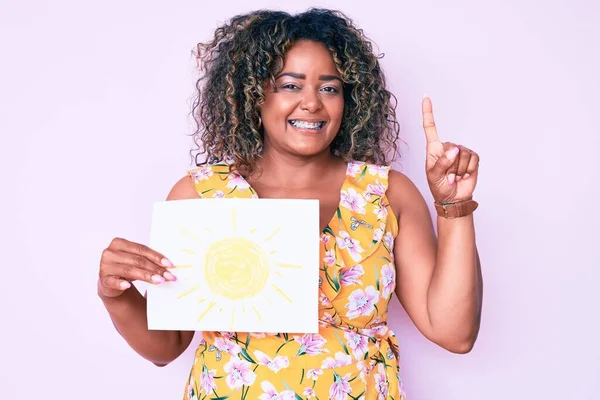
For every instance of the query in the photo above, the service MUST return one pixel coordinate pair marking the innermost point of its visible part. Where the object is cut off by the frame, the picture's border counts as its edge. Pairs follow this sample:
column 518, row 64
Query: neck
column 277, row 168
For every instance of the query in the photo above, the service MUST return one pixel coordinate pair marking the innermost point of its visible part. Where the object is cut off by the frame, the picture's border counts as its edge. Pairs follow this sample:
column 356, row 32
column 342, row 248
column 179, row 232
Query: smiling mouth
column 299, row 124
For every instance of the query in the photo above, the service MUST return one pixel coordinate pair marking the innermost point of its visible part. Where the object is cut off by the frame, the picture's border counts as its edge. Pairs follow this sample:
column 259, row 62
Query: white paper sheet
column 243, row 265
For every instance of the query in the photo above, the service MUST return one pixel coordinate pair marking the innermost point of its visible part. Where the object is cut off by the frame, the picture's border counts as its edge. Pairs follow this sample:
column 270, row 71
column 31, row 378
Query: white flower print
column 311, row 344
column 381, row 383
column 377, row 235
column 362, row 303
column 376, row 190
column 237, row 181
column 353, row 200
column 218, row 194
column 327, row 319
column 324, row 299
column 388, row 239
column 340, row 388
column 388, row 276
column 353, row 169
column 377, row 169
column 380, row 211
column 340, row 360
column 357, row 343
column 270, row 393
column 352, row 275
column 275, row 364
column 314, row 373
column 203, row 173
column 309, row 393
column 344, row 241
column 227, row 346
column 207, row 380
column 191, row 394
column 239, row 373
column 329, row 258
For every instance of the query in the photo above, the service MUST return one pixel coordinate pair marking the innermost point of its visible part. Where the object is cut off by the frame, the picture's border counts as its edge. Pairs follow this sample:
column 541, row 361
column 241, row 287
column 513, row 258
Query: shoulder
column 183, row 189
column 403, row 194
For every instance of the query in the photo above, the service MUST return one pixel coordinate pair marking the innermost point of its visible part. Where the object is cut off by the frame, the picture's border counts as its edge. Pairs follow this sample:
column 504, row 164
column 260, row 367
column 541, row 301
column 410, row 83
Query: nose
column 311, row 101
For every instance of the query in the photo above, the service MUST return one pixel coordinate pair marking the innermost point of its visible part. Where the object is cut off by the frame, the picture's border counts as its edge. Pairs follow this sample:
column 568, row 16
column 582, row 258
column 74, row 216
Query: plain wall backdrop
column 94, row 113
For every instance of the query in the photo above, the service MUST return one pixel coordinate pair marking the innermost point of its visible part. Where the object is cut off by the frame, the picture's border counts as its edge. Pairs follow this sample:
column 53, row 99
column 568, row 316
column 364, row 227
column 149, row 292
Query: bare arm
column 439, row 282
column 127, row 308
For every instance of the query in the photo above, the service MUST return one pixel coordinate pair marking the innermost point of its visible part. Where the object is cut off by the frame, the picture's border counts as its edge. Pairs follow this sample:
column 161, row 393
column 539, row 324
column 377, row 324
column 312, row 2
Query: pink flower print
column 362, row 303
column 207, row 380
column 357, row 343
column 380, row 170
column 352, row 275
column 388, row 239
column 376, row 190
column 380, row 211
column 270, row 393
column 340, row 360
column 353, row 200
column 327, row 319
column 377, row 235
column 218, row 194
column 275, row 364
column 353, row 169
column 311, row 344
column 239, row 373
column 325, row 238
column 344, row 241
column 226, row 335
column 258, row 335
column 381, row 383
column 237, row 181
column 388, row 279
column 340, row 388
column 314, row 374
column 309, row 393
column 324, row 299
column 227, row 346
column 202, row 174
column 191, row 394
column 329, row 258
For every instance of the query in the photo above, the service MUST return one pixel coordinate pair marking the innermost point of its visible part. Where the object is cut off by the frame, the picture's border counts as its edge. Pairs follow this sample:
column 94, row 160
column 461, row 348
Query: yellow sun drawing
column 237, row 271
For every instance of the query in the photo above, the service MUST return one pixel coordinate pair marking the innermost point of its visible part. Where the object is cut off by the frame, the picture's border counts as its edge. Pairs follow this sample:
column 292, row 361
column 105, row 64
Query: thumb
column 444, row 164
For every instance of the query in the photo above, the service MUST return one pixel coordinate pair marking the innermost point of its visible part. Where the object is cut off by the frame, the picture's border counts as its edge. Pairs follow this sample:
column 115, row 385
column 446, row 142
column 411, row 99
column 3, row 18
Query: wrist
column 455, row 209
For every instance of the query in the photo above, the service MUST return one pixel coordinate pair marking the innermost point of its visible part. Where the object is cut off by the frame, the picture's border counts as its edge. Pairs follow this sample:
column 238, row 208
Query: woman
column 297, row 107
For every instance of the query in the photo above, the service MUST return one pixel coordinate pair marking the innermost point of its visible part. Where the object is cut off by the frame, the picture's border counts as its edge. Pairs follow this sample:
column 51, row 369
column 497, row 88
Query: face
column 303, row 115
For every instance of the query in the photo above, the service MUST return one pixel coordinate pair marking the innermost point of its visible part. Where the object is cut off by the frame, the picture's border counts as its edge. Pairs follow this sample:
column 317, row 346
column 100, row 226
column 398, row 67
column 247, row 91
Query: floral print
column 355, row 354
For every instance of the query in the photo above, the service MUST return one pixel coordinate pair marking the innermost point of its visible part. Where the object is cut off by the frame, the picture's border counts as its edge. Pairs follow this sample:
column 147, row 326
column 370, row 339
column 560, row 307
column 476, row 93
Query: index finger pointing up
column 428, row 122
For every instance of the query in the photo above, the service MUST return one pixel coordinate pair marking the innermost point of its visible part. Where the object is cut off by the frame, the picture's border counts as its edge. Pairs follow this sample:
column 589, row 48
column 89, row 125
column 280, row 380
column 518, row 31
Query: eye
column 289, row 86
column 331, row 89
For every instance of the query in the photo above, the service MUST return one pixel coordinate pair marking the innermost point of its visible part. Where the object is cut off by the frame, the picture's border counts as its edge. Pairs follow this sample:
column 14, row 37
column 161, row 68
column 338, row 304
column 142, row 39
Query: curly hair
column 248, row 52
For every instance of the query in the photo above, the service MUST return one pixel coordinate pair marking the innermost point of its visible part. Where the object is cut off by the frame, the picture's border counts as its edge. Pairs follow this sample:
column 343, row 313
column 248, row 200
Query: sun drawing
column 236, row 271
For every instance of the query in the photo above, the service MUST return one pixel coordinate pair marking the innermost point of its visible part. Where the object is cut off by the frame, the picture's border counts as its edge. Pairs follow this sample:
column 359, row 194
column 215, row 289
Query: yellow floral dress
column 355, row 354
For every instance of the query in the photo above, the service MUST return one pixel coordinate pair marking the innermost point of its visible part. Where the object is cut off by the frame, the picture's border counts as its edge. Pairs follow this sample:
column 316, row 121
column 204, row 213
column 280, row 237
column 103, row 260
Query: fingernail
column 157, row 279
column 458, row 178
column 466, row 176
column 165, row 262
column 124, row 285
column 169, row 276
column 451, row 178
column 450, row 154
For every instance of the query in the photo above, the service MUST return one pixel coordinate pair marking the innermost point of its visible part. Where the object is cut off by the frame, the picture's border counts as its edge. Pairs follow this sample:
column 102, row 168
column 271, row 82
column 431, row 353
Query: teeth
column 306, row 125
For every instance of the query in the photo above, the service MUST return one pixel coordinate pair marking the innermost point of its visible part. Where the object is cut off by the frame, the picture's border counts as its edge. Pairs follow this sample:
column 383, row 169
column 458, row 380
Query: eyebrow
column 302, row 76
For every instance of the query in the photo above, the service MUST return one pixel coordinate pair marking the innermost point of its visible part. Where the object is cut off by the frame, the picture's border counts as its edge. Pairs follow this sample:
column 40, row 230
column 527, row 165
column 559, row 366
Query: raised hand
column 123, row 262
column 451, row 169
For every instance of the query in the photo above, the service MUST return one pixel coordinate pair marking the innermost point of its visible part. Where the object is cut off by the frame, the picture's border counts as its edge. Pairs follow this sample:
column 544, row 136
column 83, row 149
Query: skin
column 438, row 279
